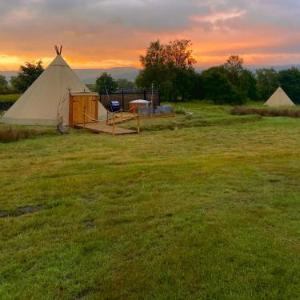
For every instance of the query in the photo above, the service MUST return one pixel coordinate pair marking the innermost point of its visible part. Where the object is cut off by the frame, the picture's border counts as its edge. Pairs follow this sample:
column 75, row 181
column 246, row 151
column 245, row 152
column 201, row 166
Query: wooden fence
column 125, row 97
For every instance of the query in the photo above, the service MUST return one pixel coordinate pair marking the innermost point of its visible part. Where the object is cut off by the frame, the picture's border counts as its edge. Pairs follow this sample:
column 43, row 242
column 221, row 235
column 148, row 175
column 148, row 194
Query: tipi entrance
column 83, row 108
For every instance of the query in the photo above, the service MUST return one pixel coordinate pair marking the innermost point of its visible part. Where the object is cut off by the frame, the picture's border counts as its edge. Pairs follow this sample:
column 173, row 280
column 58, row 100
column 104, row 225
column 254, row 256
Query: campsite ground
column 202, row 207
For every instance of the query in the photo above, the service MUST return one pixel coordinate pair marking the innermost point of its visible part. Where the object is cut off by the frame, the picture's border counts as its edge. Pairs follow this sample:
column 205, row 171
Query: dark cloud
column 142, row 14
column 149, row 15
column 117, row 29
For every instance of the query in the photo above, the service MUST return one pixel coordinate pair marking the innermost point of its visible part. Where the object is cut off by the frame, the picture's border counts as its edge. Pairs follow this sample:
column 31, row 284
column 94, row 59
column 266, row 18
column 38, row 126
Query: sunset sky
column 113, row 33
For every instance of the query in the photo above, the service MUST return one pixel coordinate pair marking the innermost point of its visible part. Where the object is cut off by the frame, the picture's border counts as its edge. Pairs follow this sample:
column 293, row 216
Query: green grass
column 206, row 210
column 13, row 133
column 9, row 98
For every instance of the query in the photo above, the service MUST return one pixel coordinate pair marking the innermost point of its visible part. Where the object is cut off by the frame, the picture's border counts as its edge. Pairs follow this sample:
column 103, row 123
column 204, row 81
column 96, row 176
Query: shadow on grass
column 20, row 211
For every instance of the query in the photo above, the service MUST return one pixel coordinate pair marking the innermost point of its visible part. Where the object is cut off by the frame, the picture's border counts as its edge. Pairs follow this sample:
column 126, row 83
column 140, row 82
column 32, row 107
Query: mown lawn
column 206, row 206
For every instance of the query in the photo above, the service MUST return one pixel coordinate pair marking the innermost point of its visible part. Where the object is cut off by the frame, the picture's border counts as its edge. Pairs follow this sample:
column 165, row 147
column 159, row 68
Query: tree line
column 170, row 68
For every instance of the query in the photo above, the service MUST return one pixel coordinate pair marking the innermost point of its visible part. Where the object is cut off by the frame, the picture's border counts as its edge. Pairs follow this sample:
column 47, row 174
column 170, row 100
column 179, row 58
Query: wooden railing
column 113, row 122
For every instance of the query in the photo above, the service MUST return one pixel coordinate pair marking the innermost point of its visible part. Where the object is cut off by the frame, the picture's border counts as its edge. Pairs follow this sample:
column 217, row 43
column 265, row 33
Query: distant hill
column 90, row 75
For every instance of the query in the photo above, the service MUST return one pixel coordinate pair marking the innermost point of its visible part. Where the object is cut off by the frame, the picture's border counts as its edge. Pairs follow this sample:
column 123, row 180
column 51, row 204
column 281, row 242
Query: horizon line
column 252, row 66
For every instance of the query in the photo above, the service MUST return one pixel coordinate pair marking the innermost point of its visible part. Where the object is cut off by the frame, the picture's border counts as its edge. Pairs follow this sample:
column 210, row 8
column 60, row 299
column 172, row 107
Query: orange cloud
column 13, row 62
column 104, row 34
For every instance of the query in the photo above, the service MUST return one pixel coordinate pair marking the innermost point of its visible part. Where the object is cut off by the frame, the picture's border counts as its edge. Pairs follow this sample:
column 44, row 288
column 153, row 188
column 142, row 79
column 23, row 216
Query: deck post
column 114, row 125
column 84, row 115
column 138, row 123
column 122, row 104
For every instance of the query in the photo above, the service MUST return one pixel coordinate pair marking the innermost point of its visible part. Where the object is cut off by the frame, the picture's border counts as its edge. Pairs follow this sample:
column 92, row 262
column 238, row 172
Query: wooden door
column 83, row 109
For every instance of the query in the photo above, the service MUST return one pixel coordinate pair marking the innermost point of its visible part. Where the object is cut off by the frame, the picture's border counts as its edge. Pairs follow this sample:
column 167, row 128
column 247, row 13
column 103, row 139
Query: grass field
column 206, row 206
column 9, row 98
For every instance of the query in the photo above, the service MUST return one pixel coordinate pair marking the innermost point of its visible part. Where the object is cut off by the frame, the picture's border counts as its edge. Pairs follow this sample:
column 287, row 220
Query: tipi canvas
column 279, row 98
column 46, row 101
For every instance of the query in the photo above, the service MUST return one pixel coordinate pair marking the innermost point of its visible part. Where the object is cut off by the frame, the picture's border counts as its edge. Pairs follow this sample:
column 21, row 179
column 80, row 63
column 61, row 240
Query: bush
column 218, row 88
column 266, row 112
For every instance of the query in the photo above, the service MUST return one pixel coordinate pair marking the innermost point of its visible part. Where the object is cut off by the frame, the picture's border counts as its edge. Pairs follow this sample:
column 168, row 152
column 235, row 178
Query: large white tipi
column 46, row 101
column 279, row 98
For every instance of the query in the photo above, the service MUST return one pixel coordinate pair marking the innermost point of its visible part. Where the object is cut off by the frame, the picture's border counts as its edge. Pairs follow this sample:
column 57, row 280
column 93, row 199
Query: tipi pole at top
column 58, row 50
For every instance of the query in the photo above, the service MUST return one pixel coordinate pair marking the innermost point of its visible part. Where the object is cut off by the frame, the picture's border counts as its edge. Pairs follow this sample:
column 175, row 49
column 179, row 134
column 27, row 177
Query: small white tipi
column 279, row 98
column 46, row 101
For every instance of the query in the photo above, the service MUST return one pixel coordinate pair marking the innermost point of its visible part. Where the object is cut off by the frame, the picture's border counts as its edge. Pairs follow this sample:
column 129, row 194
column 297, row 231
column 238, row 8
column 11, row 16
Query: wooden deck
column 102, row 127
column 122, row 118
column 111, row 126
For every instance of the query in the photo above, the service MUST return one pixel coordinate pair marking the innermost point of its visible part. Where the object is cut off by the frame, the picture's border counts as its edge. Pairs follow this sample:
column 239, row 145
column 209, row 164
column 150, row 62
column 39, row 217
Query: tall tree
column 267, row 81
column 27, row 75
column 155, row 55
column 179, row 54
column 3, row 85
column 234, row 67
column 170, row 68
column 247, row 85
column 218, row 88
column 290, row 82
column 106, row 84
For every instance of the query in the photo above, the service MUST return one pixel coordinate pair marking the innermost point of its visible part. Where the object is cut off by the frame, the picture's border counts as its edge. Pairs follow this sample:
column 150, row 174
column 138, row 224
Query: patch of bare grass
column 10, row 133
